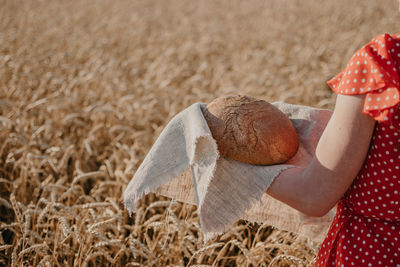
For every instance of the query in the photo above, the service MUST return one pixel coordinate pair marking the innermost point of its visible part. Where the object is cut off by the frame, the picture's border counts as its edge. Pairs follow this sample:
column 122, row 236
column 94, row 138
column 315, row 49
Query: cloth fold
column 184, row 164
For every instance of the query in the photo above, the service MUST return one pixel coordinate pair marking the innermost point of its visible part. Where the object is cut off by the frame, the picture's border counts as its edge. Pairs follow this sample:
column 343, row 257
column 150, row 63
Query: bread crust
column 250, row 130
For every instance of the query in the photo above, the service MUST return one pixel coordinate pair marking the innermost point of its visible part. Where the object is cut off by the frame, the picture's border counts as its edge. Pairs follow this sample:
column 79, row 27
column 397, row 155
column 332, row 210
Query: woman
column 356, row 163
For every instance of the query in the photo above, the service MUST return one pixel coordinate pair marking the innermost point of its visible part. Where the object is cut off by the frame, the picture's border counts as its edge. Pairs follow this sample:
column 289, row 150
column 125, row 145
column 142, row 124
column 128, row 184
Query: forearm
column 305, row 189
column 288, row 188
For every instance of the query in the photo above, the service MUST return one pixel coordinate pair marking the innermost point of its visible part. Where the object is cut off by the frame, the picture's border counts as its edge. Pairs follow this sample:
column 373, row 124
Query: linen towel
column 184, row 164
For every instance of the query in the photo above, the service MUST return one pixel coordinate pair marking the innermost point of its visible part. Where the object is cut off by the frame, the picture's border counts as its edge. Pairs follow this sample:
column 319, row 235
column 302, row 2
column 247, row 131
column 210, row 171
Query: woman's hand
column 339, row 156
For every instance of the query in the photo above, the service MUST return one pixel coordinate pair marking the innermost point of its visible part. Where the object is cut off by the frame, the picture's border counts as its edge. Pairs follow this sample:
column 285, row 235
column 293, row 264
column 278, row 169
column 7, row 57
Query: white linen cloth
column 184, row 164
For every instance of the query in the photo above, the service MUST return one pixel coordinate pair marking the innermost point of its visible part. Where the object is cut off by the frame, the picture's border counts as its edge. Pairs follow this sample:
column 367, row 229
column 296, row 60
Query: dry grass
column 86, row 87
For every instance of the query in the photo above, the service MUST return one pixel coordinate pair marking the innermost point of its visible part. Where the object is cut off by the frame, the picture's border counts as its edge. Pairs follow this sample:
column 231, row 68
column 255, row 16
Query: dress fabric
column 366, row 228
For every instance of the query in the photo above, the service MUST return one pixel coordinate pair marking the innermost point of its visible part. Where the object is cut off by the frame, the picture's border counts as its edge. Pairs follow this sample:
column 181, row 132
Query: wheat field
column 86, row 87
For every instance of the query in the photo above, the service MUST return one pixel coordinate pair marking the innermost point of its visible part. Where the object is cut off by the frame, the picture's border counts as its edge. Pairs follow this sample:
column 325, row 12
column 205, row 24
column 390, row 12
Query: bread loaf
column 251, row 130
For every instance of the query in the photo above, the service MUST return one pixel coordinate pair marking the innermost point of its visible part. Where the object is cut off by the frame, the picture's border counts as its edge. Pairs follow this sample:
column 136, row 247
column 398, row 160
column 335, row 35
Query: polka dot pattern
column 366, row 228
column 374, row 71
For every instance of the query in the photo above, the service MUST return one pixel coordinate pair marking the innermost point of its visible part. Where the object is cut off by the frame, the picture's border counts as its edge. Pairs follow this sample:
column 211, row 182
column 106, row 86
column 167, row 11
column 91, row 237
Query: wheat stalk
column 5, row 247
column 95, row 255
column 32, row 248
column 5, row 203
column 291, row 259
column 16, row 208
column 85, row 176
column 212, row 246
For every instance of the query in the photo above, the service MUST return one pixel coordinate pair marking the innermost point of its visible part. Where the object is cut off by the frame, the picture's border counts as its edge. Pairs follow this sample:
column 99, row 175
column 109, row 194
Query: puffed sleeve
column 374, row 71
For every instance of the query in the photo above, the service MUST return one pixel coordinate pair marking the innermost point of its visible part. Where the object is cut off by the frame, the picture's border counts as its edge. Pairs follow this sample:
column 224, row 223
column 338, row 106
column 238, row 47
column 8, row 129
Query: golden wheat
column 87, row 86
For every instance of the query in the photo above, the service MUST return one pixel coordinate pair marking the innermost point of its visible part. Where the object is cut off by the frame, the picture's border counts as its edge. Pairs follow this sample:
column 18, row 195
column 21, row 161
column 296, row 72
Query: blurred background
column 86, row 87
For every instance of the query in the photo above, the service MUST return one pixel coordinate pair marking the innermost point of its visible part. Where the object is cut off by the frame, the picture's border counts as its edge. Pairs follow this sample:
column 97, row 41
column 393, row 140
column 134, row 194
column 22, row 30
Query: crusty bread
column 251, row 130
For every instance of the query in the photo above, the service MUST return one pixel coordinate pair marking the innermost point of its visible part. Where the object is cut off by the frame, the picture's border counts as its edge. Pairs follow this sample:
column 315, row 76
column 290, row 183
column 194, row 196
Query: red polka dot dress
column 366, row 229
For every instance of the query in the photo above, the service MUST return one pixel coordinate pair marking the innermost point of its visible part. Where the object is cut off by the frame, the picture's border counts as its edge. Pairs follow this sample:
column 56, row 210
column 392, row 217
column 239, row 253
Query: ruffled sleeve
column 374, row 71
